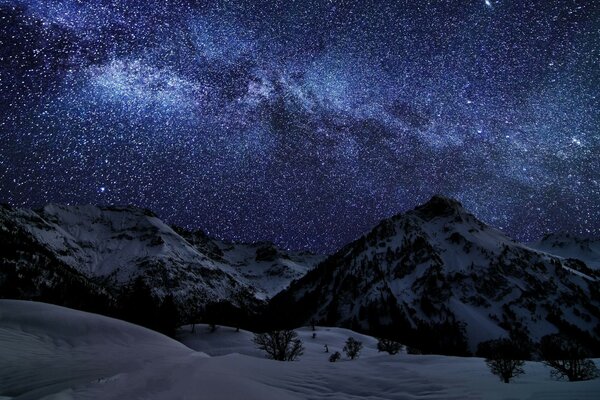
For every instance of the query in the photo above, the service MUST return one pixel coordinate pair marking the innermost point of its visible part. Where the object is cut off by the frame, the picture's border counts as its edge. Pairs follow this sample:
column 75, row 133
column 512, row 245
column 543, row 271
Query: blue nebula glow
column 304, row 123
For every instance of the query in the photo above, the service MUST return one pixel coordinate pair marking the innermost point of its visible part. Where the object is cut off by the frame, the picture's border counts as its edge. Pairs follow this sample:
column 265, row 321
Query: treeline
column 567, row 358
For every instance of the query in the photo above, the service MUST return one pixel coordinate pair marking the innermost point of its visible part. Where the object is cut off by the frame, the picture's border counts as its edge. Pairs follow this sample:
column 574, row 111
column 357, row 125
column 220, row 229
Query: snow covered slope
column 430, row 273
column 46, row 349
column 570, row 246
column 112, row 246
column 262, row 265
column 50, row 352
column 267, row 268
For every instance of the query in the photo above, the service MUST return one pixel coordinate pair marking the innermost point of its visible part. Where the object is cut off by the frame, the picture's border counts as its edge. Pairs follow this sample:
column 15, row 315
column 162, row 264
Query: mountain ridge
column 433, row 271
column 438, row 267
column 116, row 245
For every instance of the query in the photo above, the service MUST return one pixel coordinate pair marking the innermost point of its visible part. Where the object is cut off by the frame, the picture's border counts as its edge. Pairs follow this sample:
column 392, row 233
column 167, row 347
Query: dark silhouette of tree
column 388, row 345
column 352, row 348
column 567, row 358
column 168, row 316
column 335, row 357
column 139, row 305
column 211, row 315
column 223, row 313
column 280, row 345
column 504, row 357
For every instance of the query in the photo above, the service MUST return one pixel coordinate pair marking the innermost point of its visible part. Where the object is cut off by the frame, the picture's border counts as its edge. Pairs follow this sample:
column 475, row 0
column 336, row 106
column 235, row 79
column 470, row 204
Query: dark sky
column 304, row 122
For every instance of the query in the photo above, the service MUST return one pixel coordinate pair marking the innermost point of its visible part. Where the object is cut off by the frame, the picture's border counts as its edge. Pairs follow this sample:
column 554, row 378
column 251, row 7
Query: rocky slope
column 440, row 276
column 108, row 248
column 570, row 246
column 434, row 275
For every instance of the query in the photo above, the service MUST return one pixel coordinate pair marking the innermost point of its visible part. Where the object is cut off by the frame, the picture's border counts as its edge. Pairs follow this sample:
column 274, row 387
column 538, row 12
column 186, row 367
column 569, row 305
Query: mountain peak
column 439, row 206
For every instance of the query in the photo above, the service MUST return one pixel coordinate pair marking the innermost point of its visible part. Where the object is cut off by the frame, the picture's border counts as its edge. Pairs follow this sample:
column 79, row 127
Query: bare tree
column 568, row 359
column 391, row 346
column 504, row 358
column 280, row 345
column 352, row 348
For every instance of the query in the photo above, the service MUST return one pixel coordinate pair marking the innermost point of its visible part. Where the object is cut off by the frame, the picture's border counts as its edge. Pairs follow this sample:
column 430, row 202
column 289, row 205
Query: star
column 306, row 124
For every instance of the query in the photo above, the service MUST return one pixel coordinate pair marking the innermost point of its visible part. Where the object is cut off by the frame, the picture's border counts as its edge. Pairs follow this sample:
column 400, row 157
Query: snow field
column 51, row 352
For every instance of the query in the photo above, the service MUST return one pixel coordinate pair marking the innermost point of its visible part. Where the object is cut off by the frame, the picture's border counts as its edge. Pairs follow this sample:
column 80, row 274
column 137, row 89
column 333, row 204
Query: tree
column 335, row 357
column 212, row 312
column 567, row 358
column 280, row 345
column 167, row 318
column 138, row 304
column 352, row 348
column 504, row 358
column 391, row 346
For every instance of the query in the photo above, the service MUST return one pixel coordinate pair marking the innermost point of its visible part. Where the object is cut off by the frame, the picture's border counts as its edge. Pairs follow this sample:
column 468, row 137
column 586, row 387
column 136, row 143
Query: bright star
column 488, row 3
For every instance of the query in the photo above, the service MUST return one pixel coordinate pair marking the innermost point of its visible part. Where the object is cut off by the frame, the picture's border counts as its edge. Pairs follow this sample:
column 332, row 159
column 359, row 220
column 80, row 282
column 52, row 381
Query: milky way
column 304, row 122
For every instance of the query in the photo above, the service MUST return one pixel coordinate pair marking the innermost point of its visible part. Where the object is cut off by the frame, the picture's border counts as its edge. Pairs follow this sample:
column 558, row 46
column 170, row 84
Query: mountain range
column 435, row 274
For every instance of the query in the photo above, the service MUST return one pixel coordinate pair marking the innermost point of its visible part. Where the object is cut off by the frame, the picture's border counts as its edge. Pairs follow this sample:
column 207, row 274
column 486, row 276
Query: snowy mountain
column 111, row 247
column 262, row 265
column 434, row 275
column 54, row 352
column 438, row 277
column 570, row 246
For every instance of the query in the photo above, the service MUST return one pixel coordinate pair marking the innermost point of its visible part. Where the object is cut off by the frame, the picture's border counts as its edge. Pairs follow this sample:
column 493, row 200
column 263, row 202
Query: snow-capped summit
column 436, row 270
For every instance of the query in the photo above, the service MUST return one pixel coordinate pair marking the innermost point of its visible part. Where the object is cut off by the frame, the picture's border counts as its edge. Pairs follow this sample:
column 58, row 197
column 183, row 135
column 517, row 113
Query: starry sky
column 304, row 122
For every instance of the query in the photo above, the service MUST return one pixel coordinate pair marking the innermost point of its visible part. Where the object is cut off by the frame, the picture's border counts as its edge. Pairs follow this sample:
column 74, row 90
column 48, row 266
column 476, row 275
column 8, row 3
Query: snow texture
column 50, row 352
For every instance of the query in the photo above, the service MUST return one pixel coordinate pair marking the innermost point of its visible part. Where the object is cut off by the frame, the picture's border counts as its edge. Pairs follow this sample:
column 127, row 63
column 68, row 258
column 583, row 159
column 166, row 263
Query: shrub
column 391, row 346
column 335, row 356
column 352, row 348
column 504, row 358
column 280, row 345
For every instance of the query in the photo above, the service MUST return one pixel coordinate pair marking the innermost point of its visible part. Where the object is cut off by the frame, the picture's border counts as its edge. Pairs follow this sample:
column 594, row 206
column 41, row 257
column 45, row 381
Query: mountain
column 570, row 246
column 105, row 250
column 262, row 265
column 435, row 277
column 440, row 279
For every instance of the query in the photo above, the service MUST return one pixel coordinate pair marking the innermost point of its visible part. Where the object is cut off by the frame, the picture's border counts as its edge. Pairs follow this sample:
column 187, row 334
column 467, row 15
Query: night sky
column 305, row 122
